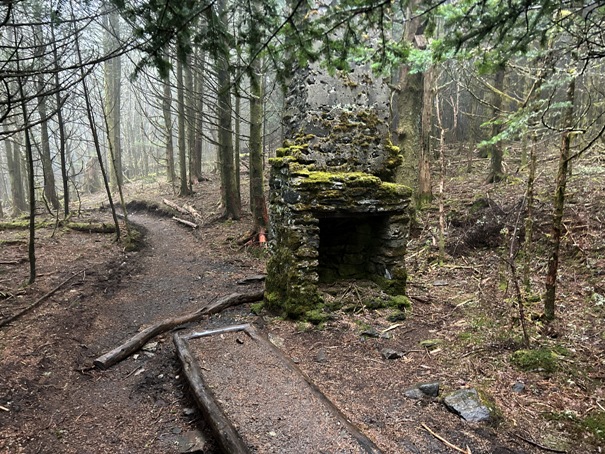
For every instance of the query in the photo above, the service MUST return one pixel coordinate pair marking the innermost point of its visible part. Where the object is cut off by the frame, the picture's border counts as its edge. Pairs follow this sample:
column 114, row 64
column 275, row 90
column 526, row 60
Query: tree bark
column 424, row 192
column 113, row 84
column 559, row 204
column 230, row 196
column 61, row 125
column 190, row 118
column 258, row 205
column 411, row 117
column 167, row 113
column 182, row 139
column 496, row 150
column 13, row 159
column 197, row 151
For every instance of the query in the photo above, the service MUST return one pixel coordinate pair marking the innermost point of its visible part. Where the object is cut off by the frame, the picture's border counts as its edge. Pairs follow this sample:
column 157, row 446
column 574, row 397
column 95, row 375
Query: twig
column 4, row 408
column 39, row 301
column 392, row 327
column 447, row 443
column 538, row 445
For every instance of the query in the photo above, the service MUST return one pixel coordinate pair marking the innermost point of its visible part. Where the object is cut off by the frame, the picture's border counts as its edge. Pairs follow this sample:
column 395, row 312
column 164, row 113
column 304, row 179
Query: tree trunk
column 61, row 125
column 238, row 139
column 559, row 204
column 50, row 191
column 13, row 159
column 190, row 118
column 182, row 139
column 411, row 117
column 196, row 159
column 93, row 130
column 167, row 113
column 496, row 150
column 31, row 187
column 424, row 192
column 258, row 205
column 229, row 190
column 113, row 83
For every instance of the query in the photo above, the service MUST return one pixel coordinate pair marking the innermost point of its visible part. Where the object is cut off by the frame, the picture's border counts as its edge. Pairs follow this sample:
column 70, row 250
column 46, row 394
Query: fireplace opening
column 349, row 247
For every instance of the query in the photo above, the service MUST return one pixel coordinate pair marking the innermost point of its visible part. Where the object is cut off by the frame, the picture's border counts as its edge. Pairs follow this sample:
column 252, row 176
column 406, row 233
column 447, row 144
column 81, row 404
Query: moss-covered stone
column 351, row 179
column 539, row 360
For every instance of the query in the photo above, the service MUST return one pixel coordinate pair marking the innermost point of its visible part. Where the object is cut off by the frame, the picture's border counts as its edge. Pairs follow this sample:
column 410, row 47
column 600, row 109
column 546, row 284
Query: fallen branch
column 18, row 315
column 183, row 221
column 88, row 227
column 175, row 206
column 445, row 442
column 138, row 340
column 193, row 212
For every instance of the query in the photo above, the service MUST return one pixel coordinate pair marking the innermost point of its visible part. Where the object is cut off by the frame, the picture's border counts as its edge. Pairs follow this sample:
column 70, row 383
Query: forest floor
column 552, row 400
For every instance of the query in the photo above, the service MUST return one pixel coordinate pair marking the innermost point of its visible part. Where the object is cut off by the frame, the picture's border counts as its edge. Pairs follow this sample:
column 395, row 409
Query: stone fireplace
column 335, row 210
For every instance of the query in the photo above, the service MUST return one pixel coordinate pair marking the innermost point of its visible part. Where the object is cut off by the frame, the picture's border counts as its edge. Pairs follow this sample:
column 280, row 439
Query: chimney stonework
column 335, row 211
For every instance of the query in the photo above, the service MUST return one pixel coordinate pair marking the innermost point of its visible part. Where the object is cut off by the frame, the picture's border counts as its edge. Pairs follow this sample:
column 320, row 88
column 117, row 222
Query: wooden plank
column 269, row 401
column 226, row 435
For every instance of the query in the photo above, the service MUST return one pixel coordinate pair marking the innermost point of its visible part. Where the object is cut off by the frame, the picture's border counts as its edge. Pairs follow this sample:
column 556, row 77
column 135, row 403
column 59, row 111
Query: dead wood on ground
column 184, row 222
column 228, row 439
column 175, row 206
column 88, row 227
column 39, row 301
column 141, row 338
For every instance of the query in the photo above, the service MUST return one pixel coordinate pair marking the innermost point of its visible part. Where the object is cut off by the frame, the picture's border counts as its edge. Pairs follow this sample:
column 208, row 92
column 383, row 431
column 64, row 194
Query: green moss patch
column 539, row 360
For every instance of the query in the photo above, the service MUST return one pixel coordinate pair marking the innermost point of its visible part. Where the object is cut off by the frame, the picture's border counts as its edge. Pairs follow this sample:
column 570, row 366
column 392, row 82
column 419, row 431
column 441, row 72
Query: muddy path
column 56, row 403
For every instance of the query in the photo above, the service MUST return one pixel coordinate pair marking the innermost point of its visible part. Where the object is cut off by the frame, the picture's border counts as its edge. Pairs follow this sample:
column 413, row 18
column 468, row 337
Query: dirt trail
column 57, row 405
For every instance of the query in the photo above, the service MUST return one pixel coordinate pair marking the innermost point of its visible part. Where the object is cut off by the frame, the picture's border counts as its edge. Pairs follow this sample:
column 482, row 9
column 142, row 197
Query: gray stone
column 467, row 404
column 430, row 389
column 191, row 442
column 518, row 387
column 370, row 332
column 422, row 390
column 321, row 356
column 414, row 393
column 389, row 353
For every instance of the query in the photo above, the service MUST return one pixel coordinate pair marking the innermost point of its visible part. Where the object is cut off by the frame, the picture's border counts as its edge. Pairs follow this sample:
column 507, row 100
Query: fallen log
column 193, row 212
column 229, row 439
column 88, row 227
column 184, row 222
column 141, row 338
column 175, row 206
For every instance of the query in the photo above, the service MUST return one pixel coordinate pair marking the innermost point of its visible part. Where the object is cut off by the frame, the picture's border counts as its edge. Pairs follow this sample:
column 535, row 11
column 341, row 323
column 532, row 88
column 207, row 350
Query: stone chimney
column 335, row 211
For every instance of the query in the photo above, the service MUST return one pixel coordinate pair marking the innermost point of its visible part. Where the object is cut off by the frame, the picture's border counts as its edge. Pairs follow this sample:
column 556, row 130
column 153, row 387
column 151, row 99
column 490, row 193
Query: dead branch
column 212, row 332
column 175, row 206
column 193, row 212
column 141, row 338
column 184, row 222
column 445, row 442
column 39, row 301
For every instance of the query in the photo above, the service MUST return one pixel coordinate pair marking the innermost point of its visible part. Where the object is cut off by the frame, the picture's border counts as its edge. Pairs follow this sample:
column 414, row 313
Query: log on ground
column 141, row 338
